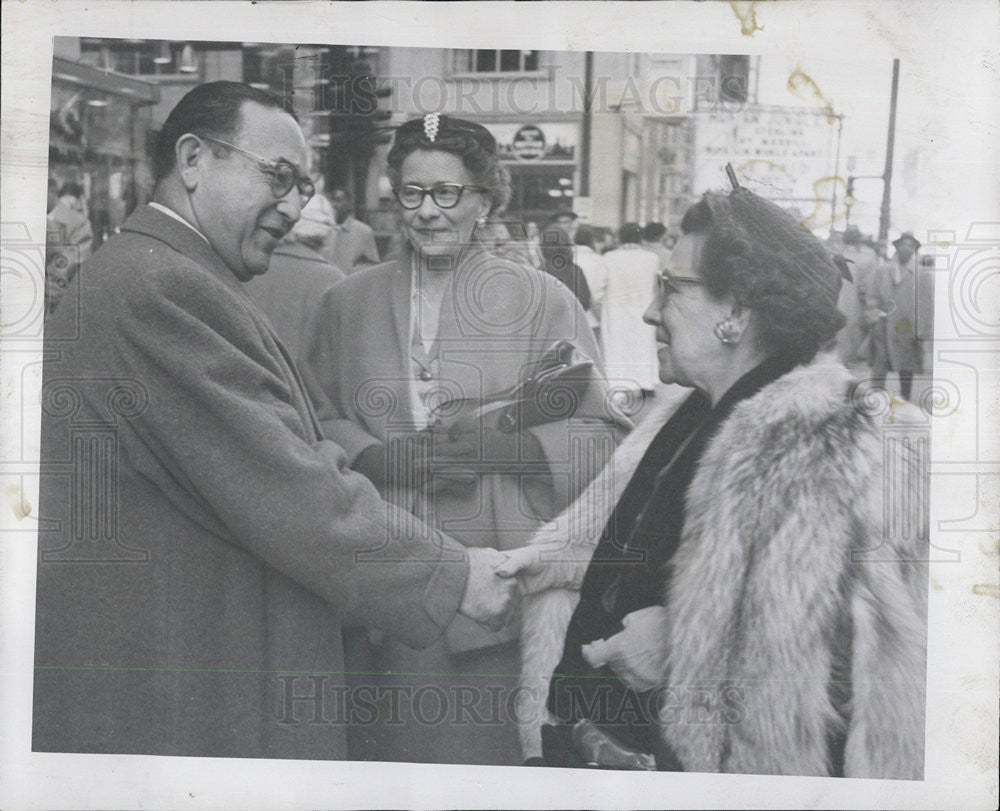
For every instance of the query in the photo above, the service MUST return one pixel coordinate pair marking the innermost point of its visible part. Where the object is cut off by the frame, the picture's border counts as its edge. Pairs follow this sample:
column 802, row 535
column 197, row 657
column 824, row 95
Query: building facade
column 614, row 137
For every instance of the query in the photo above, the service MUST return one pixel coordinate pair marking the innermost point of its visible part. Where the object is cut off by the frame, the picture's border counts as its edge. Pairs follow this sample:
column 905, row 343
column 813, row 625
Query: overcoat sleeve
column 225, row 440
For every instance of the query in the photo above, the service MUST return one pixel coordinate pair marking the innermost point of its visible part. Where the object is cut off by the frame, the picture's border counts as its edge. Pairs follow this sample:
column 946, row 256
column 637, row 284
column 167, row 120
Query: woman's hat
column 434, row 127
column 767, row 224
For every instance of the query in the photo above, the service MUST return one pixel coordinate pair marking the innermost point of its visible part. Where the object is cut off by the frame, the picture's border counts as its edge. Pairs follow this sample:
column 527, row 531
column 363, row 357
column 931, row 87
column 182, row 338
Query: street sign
column 528, row 143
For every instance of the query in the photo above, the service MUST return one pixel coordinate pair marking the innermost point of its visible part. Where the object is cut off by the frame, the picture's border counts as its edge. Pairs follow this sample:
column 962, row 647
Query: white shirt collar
column 171, row 213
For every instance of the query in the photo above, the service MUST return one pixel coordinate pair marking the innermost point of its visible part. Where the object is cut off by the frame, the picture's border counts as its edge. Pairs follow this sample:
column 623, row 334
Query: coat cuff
column 445, row 590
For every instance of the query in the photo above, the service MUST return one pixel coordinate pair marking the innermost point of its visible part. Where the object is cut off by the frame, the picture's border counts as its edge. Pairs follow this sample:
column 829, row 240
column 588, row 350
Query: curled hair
column 759, row 254
column 471, row 142
column 211, row 109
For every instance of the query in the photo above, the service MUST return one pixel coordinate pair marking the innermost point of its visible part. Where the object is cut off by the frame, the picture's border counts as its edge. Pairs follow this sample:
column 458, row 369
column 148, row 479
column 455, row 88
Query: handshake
column 489, row 599
column 497, row 580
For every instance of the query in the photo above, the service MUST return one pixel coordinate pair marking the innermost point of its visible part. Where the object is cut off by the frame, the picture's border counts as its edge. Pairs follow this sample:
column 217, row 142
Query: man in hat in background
column 297, row 276
column 899, row 307
column 567, row 221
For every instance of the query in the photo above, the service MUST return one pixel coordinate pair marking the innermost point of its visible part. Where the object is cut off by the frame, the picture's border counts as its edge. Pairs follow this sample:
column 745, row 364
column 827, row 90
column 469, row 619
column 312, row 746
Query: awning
column 136, row 91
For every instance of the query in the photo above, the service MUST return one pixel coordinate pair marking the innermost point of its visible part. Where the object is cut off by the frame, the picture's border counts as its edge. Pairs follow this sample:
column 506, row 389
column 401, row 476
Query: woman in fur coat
column 753, row 598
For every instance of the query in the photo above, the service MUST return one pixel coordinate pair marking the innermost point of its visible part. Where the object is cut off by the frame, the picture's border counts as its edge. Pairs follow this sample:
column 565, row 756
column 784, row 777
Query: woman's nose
column 428, row 209
column 652, row 314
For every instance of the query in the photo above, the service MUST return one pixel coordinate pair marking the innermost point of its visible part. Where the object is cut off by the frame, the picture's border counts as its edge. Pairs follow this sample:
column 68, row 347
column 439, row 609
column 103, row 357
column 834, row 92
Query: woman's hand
column 638, row 653
column 545, row 566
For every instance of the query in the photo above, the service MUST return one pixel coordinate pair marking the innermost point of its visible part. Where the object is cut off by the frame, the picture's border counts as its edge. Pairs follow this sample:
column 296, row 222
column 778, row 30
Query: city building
column 614, row 137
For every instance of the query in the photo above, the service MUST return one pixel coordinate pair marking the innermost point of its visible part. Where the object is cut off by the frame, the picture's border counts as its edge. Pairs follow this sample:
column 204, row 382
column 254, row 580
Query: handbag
column 550, row 389
column 585, row 745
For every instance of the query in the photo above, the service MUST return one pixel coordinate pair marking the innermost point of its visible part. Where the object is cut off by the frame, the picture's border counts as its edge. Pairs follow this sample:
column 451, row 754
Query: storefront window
column 538, row 192
column 495, row 61
column 98, row 140
column 140, row 57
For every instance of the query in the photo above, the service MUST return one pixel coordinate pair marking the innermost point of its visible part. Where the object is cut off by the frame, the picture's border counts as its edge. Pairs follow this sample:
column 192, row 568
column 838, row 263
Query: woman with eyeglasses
column 756, row 600
column 421, row 360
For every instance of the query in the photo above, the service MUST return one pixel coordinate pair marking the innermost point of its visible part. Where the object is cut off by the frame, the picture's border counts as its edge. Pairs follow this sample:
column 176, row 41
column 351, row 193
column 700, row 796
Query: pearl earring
column 727, row 332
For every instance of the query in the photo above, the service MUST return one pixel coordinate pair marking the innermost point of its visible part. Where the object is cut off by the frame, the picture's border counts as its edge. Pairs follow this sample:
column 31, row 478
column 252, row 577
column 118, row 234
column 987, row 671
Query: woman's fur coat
column 805, row 525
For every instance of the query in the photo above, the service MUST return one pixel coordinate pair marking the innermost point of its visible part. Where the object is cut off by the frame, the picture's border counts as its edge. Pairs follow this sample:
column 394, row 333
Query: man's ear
column 189, row 151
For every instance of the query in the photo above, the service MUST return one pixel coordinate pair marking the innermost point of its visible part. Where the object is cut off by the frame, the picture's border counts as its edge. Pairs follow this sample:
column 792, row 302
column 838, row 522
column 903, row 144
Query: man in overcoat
column 201, row 544
column 899, row 303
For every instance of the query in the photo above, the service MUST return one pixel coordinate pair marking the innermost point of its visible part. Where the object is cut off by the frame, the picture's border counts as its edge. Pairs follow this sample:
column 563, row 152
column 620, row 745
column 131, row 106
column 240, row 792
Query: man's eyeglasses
column 667, row 285
column 283, row 175
column 444, row 195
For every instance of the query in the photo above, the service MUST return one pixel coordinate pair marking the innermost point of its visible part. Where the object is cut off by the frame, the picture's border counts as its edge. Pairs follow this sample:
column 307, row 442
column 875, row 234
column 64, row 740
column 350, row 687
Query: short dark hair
column 470, row 141
column 343, row 191
column 654, row 231
column 211, row 109
column 769, row 263
column 585, row 236
column 71, row 188
column 630, row 232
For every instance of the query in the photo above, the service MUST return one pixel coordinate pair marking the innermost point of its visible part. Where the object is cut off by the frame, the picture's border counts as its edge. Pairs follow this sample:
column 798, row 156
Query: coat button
column 425, row 375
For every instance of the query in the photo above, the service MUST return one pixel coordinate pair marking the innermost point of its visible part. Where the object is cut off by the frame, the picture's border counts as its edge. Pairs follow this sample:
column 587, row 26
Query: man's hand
column 488, row 599
column 637, row 653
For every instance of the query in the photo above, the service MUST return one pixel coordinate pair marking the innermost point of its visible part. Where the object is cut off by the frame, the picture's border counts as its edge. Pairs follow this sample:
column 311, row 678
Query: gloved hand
column 403, row 460
column 638, row 653
column 546, row 566
column 483, row 450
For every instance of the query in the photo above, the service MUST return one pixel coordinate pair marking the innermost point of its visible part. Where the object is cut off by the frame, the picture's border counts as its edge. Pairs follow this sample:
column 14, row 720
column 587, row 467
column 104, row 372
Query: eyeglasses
column 444, row 195
column 667, row 284
column 284, row 177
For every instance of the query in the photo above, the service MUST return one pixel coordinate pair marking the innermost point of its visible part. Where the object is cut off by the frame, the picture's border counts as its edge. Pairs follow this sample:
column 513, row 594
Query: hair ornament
column 731, row 174
column 432, row 123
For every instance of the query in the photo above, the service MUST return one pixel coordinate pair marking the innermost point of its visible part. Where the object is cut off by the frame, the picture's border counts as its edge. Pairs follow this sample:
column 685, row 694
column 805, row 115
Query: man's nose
column 291, row 205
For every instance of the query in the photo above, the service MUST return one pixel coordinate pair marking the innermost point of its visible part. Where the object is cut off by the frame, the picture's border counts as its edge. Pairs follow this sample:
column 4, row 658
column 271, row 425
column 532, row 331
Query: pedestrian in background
column 297, row 277
column 69, row 239
column 899, row 305
column 627, row 344
column 653, row 234
column 557, row 251
column 595, row 271
column 863, row 261
column 352, row 242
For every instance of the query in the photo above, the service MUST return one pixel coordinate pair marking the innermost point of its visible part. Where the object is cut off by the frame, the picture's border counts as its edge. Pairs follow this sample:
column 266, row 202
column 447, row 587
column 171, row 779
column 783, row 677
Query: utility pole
column 883, row 220
column 836, row 176
column 588, row 80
